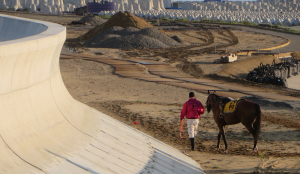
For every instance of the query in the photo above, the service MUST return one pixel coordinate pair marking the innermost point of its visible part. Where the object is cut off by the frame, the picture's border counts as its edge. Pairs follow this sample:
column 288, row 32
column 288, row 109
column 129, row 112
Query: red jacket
column 192, row 109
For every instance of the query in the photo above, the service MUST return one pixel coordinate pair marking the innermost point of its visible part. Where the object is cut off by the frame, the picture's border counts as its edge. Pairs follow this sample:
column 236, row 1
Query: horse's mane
column 215, row 95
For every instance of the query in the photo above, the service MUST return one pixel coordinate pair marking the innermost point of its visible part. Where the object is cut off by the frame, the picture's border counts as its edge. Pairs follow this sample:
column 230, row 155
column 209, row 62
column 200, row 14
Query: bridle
column 208, row 110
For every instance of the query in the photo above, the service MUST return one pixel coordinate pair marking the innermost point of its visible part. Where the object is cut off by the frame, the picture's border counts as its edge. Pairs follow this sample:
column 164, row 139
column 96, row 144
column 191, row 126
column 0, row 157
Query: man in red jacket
column 192, row 110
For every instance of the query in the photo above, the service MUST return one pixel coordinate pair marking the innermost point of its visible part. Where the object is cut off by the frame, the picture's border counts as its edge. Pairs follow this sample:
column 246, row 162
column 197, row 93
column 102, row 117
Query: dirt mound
column 94, row 20
column 296, row 54
column 122, row 19
column 156, row 34
column 130, row 38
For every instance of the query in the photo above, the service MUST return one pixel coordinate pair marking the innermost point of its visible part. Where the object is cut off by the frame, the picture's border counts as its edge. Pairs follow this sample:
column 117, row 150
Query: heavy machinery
column 275, row 74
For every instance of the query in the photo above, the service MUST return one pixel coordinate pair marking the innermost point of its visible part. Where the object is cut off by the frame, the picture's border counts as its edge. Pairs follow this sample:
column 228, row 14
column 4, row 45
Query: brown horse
column 247, row 113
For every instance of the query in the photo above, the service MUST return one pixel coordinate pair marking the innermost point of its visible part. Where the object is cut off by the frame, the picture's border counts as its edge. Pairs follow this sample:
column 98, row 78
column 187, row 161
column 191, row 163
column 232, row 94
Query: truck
column 228, row 58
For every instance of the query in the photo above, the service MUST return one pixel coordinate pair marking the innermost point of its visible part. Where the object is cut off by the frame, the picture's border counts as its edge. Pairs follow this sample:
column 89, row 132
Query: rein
column 208, row 111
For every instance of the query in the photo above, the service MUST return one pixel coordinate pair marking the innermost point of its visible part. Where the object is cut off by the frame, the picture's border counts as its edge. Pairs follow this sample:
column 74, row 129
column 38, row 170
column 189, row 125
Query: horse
column 248, row 113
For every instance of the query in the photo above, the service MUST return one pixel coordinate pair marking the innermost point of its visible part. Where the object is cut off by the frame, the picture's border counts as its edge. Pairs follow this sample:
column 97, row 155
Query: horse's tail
column 257, row 123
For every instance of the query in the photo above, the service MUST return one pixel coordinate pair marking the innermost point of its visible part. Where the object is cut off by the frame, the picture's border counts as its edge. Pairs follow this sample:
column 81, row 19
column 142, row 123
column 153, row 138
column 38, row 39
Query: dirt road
column 156, row 107
column 294, row 38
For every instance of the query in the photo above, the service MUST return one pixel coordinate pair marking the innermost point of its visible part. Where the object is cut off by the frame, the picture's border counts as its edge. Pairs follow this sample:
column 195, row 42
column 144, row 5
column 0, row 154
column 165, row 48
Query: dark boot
column 192, row 143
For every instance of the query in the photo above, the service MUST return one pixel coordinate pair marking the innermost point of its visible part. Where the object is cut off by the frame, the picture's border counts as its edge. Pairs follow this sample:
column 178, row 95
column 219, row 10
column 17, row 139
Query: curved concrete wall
column 44, row 130
column 12, row 28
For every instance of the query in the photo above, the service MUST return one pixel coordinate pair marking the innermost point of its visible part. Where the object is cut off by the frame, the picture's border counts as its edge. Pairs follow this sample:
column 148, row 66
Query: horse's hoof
column 255, row 150
column 226, row 151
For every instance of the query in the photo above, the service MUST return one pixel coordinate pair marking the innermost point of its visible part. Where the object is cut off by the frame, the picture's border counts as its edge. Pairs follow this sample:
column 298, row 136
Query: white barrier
column 44, row 130
column 286, row 19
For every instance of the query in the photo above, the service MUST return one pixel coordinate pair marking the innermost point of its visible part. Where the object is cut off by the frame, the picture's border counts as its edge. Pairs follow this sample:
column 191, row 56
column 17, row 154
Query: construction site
column 85, row 94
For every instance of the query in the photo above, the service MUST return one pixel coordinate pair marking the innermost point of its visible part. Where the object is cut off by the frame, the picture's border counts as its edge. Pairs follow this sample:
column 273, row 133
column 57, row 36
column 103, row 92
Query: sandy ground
column 257, row 41
column 294, row 82
column 157, row 107
column 238, row 69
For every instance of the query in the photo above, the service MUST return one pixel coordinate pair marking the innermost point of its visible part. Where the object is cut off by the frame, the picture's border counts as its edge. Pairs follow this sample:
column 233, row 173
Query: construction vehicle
column 228, row 58
column 276, row 73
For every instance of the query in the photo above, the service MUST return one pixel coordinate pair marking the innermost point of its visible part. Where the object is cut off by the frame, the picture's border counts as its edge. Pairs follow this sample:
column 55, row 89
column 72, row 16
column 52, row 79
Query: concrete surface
column 44, row 130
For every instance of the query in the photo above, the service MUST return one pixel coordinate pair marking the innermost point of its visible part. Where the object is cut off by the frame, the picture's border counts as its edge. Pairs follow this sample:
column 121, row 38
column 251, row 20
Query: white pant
column 192, row 127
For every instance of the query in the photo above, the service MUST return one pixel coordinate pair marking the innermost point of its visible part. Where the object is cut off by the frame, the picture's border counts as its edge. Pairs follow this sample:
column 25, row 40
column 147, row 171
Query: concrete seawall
column 12, row 28
column 44, row 130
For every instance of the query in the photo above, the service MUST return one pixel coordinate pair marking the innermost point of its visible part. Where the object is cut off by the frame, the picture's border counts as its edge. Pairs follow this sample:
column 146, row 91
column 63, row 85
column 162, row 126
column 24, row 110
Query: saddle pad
column 231, row 106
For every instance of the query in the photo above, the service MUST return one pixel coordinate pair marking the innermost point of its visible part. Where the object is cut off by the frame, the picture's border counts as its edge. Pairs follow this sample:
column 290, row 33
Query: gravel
column 156, row 34
column 178, row 39
column 94, row 20
column 130, row 38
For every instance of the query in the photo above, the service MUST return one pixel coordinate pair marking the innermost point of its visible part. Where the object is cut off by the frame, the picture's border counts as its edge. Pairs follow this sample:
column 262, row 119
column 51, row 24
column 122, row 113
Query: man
column 192, row 109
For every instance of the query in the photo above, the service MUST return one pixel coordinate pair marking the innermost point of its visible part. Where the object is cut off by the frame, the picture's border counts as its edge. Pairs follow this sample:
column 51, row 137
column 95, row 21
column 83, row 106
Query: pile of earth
column 94, row 20
column 131, row 38
column 296, row 54
column 121, row 19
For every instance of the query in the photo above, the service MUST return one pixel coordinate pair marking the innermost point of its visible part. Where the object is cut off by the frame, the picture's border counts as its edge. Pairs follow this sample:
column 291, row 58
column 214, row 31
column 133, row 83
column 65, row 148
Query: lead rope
column 181, row 129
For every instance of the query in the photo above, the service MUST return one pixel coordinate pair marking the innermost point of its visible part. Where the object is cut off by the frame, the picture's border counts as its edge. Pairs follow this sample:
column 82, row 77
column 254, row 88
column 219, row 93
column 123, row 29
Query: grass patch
column 106, row 17
column 139, row 101
column 182, row 19
column 216, row 167
column 261, row 156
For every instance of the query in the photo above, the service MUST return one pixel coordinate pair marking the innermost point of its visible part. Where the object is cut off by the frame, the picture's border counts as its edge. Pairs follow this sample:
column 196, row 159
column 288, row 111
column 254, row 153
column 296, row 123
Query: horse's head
column 210, row 101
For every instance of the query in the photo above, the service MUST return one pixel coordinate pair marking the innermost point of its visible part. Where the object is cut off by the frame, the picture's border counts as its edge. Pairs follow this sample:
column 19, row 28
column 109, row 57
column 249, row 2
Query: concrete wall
column 44, row 130
column 11, row 29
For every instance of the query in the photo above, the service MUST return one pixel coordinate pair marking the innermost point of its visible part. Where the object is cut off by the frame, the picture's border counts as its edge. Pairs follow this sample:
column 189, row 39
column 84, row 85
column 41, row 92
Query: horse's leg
column 252, row 131
column 219, row 137
column 224, row 139
column 222, row 133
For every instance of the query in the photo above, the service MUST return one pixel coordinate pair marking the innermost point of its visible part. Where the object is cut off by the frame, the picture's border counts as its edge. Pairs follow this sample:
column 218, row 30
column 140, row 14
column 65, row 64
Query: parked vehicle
column 275, row 74
column 228, row 58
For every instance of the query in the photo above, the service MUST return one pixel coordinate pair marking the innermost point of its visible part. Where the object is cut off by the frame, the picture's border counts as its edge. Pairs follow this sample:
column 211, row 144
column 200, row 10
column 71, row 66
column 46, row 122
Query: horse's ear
column 214, row 91
column 208, row 91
